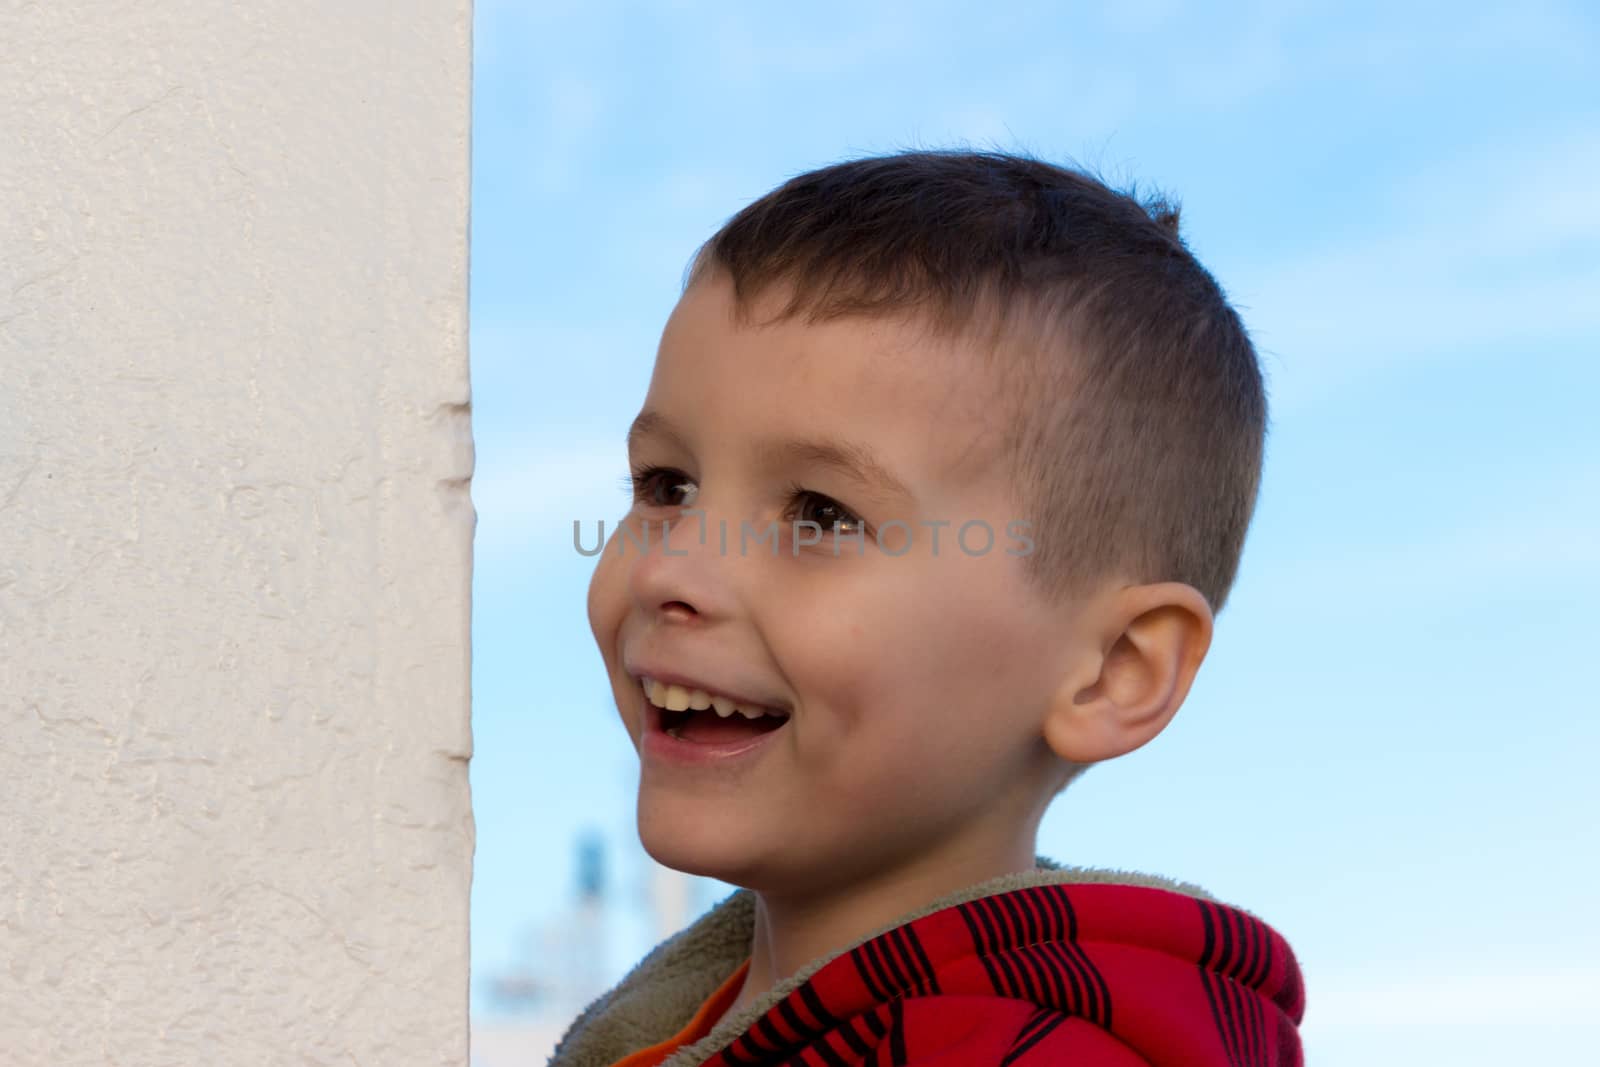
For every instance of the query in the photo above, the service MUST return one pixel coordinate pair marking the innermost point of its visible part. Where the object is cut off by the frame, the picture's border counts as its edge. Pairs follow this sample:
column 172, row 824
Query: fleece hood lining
column 659, row 996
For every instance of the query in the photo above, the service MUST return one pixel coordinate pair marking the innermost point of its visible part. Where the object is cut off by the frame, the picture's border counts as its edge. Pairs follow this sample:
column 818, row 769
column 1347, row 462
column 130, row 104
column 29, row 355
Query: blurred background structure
column 564, row 961
column 1398, row 710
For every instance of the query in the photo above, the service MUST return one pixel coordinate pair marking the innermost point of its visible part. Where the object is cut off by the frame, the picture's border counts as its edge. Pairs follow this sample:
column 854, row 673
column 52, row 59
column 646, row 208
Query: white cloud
column 1485, row 258
column 1140, row 16
column 747, row 46
column 1551, row 546
column 1411, row 41
column 1546, row 533
column 1530, row 997
column 528, row 499
column 1250, row 59
column 1511, row 199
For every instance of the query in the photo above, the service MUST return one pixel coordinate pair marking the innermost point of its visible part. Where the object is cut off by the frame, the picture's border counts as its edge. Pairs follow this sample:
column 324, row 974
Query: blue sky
column 1389, row 752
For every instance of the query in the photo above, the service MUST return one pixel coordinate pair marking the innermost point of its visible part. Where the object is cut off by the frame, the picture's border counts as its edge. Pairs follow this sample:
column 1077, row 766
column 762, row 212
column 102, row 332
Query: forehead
column 929, row 400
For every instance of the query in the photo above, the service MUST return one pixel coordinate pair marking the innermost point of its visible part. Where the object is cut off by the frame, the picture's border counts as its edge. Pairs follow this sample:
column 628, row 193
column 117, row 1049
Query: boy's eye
column 665, row 487
column 657, row 486
column 826, row 513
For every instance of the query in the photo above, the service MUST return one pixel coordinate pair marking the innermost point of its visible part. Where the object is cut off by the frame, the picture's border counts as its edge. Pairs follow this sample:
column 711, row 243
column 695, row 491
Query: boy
column 945, row 465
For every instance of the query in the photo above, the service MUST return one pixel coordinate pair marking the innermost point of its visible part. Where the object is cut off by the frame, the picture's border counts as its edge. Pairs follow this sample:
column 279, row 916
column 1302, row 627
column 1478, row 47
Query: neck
column 791, row 931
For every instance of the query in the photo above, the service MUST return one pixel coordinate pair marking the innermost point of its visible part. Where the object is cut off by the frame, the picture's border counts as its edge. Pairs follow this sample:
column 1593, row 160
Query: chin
column 711, row 849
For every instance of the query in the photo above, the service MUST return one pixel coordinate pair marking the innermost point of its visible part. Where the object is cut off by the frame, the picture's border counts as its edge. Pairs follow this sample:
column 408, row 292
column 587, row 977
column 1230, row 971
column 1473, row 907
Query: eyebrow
column 855, row 461
column 651, row 424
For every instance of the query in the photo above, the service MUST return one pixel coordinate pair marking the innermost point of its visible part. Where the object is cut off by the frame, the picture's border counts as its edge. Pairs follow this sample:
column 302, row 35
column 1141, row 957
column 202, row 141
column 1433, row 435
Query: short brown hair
column 1142, row 416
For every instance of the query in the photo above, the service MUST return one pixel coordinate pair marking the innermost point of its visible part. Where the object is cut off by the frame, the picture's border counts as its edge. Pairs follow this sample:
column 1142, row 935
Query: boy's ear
column 1146, row 645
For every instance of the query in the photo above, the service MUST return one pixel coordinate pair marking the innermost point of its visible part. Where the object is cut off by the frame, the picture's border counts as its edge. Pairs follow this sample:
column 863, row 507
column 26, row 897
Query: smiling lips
column 679, row 698
column 736, row 722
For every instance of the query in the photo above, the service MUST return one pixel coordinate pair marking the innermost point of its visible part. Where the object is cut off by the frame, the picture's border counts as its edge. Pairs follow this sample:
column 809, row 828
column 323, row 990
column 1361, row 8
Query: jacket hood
column 1077, row 965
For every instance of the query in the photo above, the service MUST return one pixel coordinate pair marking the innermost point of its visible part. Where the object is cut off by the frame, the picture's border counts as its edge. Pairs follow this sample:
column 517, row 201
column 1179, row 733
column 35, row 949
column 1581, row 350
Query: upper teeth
column 677, row 698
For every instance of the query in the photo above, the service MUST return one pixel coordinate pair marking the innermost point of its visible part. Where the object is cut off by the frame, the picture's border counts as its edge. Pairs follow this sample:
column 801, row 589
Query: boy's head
column 1049, row 424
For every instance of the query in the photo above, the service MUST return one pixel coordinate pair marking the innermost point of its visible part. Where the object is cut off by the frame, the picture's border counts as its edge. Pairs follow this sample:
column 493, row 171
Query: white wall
column 235, row 532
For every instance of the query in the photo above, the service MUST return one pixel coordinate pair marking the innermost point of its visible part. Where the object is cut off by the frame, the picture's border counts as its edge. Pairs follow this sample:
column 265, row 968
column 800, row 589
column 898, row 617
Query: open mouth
column 706, row 727
column 699, row 717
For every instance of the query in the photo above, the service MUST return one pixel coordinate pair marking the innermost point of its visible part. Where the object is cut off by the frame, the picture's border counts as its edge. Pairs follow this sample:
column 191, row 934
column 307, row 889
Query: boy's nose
column 676, row 577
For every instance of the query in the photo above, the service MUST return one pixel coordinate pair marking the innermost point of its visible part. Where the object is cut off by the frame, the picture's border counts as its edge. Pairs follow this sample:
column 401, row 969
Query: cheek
column 925, row 662
column 893, row 649
column 608, row 598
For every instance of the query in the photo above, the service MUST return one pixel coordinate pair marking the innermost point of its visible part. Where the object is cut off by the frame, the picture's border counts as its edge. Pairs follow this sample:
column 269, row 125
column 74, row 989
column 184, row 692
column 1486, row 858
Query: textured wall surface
column 235, row 532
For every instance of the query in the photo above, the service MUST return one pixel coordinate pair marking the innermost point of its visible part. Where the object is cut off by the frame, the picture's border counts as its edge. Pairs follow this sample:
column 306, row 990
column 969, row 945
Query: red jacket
column 1056, row 967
